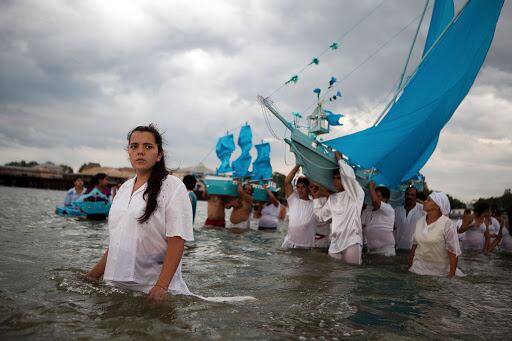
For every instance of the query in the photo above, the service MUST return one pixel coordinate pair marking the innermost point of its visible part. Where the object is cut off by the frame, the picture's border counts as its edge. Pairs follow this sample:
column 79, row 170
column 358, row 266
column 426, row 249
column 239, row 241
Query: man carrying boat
column 215, row 218
column 344, row 208
column 242, row 207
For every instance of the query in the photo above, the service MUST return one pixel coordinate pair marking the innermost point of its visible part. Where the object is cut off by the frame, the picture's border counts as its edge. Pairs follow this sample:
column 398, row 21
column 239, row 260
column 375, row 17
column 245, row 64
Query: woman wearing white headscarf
column 436, row 245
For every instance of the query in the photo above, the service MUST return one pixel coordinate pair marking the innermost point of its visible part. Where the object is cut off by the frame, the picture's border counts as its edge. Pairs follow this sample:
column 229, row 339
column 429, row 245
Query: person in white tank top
column 477, row 228
column 269, row 212
column 435, row 246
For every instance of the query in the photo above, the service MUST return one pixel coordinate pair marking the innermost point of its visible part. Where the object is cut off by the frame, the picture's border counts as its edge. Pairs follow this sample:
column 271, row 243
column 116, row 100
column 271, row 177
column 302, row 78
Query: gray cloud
column 76, row 76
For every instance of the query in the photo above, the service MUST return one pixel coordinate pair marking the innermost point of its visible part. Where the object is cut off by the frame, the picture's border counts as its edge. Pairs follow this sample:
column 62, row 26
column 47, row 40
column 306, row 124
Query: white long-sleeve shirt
column 344, row 208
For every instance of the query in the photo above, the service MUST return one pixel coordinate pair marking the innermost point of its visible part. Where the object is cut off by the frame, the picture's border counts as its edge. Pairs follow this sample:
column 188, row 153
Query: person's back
column 215, row 215
column 190, row 183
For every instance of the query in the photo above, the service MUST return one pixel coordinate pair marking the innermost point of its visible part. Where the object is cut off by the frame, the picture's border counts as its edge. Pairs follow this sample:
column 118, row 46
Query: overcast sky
column 76, row 76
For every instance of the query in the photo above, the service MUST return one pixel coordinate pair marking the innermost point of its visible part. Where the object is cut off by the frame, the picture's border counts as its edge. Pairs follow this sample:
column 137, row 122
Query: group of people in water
column 97, row 190
column 343, row 224
column 152, row 215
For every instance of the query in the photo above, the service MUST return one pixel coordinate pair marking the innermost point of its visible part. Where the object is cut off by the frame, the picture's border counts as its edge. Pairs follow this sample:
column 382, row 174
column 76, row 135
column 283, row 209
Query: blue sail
column 225, row 147
column 399, row 146
column 442, row 14
column 261, row 167
column 242, row 163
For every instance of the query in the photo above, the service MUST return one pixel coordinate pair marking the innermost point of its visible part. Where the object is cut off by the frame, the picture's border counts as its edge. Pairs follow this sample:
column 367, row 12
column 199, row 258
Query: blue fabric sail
column 224, row 148
column 442, row 14
column 261, row 167
column 242, row 163
column 399, row 146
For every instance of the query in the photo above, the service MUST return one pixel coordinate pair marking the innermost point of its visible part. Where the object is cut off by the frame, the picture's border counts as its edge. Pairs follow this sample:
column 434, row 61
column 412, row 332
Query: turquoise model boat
column 238, row 170
column 85, row 208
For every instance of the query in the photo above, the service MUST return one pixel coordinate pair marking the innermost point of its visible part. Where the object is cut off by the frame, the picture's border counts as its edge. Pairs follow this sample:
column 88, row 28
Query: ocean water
column 300, row 294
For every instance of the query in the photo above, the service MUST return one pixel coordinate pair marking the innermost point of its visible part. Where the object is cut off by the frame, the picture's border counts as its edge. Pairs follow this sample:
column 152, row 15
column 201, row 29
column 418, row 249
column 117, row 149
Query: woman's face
column 143, row 151
column 430, row 205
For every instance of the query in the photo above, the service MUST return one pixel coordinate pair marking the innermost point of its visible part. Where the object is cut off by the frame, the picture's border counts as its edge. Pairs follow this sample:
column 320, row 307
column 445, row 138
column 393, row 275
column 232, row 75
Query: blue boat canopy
column 242, row 163
column 261, row 167
column 224, row 149
column 400, row 145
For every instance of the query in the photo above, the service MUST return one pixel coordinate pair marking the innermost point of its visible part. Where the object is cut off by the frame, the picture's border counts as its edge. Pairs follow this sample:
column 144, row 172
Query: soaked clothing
column 344, row 208
column 72, row 196
column 405, row 224
column 269, row 217
column 209, row 223
column 506, row 241
column 378, row 229
column 474, row 238
column 302, row 223
column 136, row 251
column 433, row 242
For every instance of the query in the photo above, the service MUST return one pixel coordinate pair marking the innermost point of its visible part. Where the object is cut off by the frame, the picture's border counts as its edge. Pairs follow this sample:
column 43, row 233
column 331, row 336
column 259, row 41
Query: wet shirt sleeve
column 178, row 213
column 451, row 238
column 322, row 209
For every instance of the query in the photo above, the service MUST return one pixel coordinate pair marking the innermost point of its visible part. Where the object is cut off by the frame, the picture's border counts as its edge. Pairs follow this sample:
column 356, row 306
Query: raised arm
column 348, row 179
column 288, row 188
column 467, row 223
column 271, row 196
column 243, row 195
column 373, row 195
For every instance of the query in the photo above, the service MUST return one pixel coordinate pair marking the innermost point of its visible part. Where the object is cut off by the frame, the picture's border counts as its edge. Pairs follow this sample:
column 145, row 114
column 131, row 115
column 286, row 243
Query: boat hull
column 97, row 210
column 216, row 185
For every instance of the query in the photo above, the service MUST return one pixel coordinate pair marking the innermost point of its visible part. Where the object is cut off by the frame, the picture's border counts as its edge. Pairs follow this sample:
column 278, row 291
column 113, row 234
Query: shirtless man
column 242, row 206
column 216, row 215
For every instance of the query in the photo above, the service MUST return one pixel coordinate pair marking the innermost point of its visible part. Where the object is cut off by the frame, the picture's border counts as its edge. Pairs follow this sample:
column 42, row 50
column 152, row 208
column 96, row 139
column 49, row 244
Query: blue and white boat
column 238, row 170
column 397, row 146
column 93, row 205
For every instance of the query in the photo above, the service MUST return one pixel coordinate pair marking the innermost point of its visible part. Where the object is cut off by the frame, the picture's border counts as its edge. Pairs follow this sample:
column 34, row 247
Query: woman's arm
column 373, row 195
column 453, row 264
column 175, row 246
column 271, row 196
column 410, row 259
column 467, row 223
column 98, row 270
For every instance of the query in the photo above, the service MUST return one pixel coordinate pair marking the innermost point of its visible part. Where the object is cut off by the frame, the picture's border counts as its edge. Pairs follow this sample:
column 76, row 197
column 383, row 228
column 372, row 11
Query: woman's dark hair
column 481, row 207
column 158, row 173
column 95, row 180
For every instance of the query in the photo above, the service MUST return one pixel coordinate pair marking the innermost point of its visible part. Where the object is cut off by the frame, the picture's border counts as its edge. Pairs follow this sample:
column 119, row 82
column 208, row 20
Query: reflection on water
column 300, row 294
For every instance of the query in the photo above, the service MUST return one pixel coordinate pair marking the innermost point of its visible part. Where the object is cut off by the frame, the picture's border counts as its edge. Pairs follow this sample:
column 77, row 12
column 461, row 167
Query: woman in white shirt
column 477, row 228
column 436, row 245
column 149, row 222
column 269, row 212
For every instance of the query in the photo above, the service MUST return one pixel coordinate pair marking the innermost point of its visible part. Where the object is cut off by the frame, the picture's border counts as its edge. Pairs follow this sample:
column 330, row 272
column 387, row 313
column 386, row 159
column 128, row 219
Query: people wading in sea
column 239, row 220
column 477, row 228
column 435, row 245
column 216, row 215
column 74, row 193
column 149, row 222
column 269, row 211
column 190, row 183
column 406, row 217
column 302, row 221
column 378, row 221
column 344, row 208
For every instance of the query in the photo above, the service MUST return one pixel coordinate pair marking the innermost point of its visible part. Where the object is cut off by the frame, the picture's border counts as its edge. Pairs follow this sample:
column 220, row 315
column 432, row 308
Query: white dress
column 302, row 223
column 378, row 229
column 269, row 216
column 506, row 241
column 136, row 251
column 433, row 243
column 474, row 238
column 405, row 224
column 344, row 208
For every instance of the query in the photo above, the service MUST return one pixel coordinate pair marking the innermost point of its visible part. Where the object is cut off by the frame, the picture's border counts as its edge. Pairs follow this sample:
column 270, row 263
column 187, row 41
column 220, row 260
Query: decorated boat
column 93, row 206
column 393, row 150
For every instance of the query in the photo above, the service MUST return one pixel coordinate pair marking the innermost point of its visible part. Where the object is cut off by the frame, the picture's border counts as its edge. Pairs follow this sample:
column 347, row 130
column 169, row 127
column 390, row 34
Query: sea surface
column 300, row 294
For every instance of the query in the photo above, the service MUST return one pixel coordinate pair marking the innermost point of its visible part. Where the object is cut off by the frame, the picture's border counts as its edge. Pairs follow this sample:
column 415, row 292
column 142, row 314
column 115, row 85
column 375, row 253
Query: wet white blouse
column 378, row 227
column 433, row 243
column 405, row 225
column 136, row 251
column 474, row 238
column 344, row 209
column 269, row 215
column 302, row 223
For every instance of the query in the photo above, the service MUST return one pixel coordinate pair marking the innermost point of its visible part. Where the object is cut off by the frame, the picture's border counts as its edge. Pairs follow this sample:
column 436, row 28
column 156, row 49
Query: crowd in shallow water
column 152, row 216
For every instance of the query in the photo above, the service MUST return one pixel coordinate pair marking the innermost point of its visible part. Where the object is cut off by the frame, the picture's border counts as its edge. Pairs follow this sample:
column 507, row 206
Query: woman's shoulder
column 172, row 183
